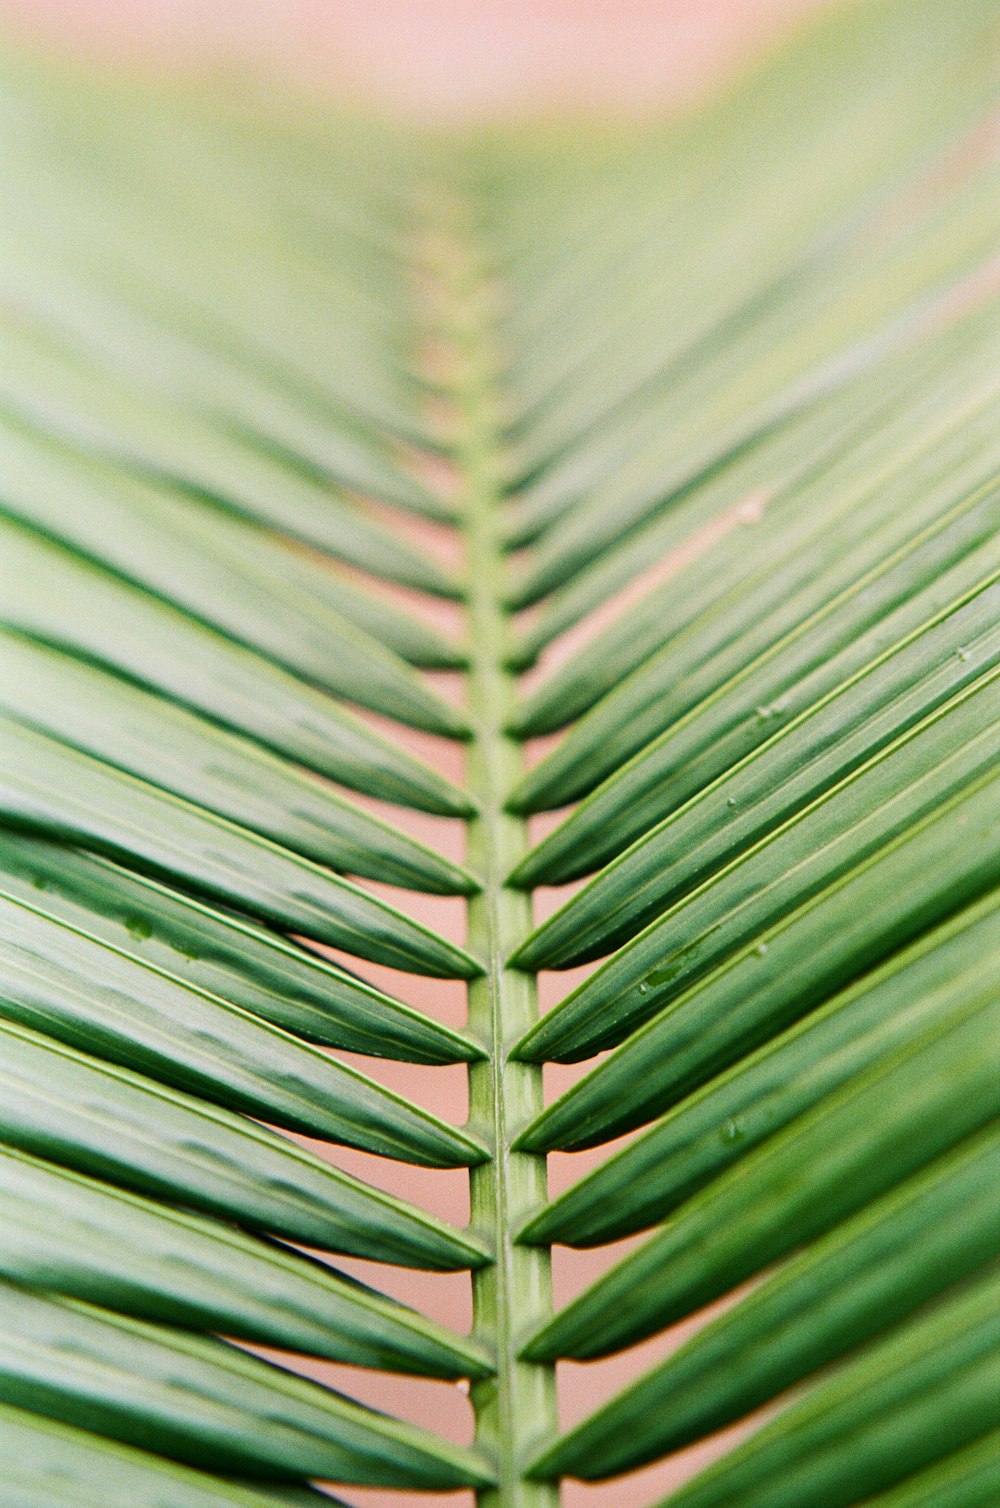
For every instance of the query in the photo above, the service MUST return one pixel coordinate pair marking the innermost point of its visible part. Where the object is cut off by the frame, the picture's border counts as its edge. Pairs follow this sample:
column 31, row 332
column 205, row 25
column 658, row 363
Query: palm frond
column 295, row 408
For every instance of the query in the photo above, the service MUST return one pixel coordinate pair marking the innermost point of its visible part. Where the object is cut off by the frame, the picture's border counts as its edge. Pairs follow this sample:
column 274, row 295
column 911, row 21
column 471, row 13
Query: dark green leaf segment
column 516, row 1407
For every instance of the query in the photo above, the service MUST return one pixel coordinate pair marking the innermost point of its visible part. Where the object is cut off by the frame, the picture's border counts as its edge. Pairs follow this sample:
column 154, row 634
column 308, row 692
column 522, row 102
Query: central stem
column 510, row 1298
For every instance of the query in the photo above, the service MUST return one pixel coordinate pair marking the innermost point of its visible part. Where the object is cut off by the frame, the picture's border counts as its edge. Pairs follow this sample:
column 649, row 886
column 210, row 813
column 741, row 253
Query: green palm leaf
column 258, row 361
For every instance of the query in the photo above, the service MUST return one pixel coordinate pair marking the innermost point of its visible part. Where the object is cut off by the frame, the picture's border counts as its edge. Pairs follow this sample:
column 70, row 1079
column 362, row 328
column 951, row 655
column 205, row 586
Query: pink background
column 451, row 59
column 439, row 56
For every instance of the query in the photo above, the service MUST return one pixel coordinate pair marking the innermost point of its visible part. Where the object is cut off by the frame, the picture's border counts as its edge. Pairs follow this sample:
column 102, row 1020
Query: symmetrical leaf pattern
column 653, row 481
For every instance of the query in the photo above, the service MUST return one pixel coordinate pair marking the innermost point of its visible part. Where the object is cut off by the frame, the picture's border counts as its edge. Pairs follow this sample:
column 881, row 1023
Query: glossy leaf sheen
column 58, row 1103
column 192, row 1399
column 221, row 953
column 60, row 598
column 721, row 393
column 182, row 754
column 50, row 787
column 81, row 991
column 718, row 1124
column 829, row 844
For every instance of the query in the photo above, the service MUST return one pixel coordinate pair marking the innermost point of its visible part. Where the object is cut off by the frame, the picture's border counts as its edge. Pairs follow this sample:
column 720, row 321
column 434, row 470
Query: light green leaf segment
column 316, row 436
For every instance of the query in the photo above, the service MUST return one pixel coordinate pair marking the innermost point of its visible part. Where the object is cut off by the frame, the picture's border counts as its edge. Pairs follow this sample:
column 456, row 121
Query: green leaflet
column 49, row 787
column 79, row 1236
column 205, row 1404
column 580, row 308
column 969, row 1478
column 81, row 991
column 883, row 281
column 171, row 748
column 853, row 1146
column 117, row 334
column 564, row 333
column 813, row 618
column 818, row 950
column 686, row 372
column 797, row 766
column 221, row 953
column 768, row 503
column 830, row 843
column 734, row 497
column 47, row 1462
column 223, row 328
column 109, row 1122
column 723, row 733
column 115, row 421
column 909, row 1400
column 734, row 500
column 58, row 597
column 222, row 568
column 718, row 1124
column 653, row 376
column 862, row 1278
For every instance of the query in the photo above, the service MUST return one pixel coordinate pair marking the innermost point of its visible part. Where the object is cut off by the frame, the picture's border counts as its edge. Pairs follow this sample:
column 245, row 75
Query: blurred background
column 435, row 57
